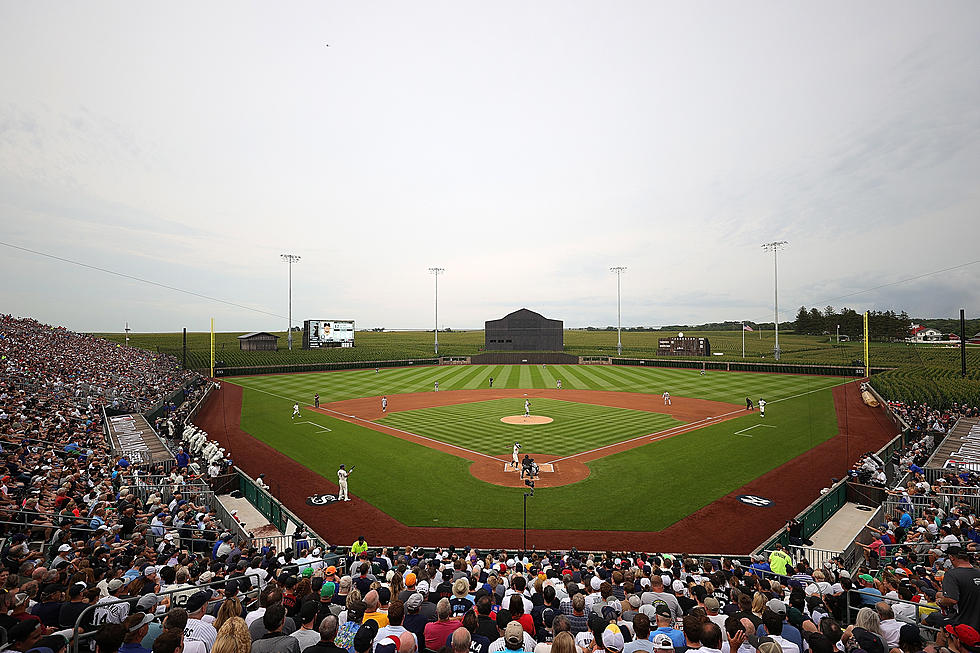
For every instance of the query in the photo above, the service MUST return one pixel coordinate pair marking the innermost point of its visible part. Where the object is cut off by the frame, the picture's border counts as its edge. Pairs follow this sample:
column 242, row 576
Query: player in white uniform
column 437, row 387
column 666, row 398
column 384, row 404
column 527, row 408
column 517, row 459
column 342, row 475
column 762, row 407
column 559, row 384
column 295, row 411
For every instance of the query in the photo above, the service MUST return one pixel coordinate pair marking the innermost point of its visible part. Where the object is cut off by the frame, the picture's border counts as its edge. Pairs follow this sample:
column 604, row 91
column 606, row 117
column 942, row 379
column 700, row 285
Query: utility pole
column 437, row 272
column 290, row 258
column 127, row 334
column 775, row 247
column 619, row 319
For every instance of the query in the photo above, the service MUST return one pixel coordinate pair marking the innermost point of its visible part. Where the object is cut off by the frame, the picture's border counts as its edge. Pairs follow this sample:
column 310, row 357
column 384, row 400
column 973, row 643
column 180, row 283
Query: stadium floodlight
column 290, row 258
column 619, row 313
column 437, row 272
column 775, row 246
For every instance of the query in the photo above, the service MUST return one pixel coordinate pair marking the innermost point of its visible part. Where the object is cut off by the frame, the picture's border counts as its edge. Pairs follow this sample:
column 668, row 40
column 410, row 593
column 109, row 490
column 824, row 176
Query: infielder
column 666, row 398
column 748, row 404
column 527, row 408
column 517, row 459
column 295, row 411
column 384, row 404
column 342, row 475
column 762, row 407
column 316, row 400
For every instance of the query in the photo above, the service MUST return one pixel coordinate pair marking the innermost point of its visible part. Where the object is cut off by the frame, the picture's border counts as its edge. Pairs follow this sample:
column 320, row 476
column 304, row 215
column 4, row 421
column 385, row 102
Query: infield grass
column 643, row 489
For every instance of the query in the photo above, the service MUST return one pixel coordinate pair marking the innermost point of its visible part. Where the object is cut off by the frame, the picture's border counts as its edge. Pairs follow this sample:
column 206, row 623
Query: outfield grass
column 731, row 387
column 439, row 490
column 576, row 427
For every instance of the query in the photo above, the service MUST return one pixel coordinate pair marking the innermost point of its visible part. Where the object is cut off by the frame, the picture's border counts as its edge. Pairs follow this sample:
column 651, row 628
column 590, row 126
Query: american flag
column 746, row 327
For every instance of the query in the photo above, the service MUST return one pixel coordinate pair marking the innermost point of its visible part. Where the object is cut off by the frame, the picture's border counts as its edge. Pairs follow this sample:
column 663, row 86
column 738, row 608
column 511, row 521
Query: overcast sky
column 524, row 147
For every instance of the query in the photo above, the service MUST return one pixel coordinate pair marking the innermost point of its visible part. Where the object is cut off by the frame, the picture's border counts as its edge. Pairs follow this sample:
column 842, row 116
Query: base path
column 726, row 525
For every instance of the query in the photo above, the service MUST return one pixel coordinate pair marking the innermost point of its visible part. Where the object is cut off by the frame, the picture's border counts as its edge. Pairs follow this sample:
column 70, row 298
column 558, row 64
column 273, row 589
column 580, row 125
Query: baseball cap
column 711, row 603
column 413, row 602
column 634, row 601
column 149, row 570
column 136, row 621
column 327, row 590
column 965, row 633
column 612, row 638
column 410, row 579
column 308, row 572
column 198, row 600
column 770, row 646
column 365, row 636
column 389, row 644
column 776, row 606
column 663, row 610
column 663, row 640
column 148, row 603
column 514, row 633
column 331, row 570
column 23, row 630
column 423, row 587
column 64, row 548
column 115, row 584
column 866, row 578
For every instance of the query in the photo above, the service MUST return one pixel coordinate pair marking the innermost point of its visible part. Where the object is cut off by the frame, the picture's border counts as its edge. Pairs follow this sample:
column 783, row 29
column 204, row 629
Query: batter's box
column 543, row 467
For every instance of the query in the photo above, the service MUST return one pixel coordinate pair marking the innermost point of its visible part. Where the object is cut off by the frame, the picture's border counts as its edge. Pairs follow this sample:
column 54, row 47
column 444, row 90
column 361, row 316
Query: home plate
column 521, row 419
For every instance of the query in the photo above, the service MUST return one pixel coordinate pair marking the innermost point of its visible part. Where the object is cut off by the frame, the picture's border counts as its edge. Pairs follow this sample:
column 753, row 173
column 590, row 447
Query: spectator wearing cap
column 868, row 591
column 961, row 588
column 459, row 601
column 711, row 607
column 327, row 631
column 641, row 629
column 25, row 634
column 109, row 609
column 137, row 626
column 410, row 580
column 49, row 609
column 396, row 619
column 436, row 632
column 788, row 631
column 274, row 640
column 658, row 595
column 414, row 621
column 307, row 634
column 664, row 622
column 198, row 629
column 71, row 609
column 662, row 643
column 513, row 638
column 348, row 629
column 961, row 638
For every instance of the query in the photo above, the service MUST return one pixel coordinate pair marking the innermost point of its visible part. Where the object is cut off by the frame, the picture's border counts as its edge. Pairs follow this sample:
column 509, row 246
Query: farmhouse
column 258, row 341
column 925, row 334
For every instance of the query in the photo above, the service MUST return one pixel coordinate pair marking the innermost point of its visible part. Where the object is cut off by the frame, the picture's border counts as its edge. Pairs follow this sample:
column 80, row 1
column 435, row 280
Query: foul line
column 765, row 426
column 319, row 426
column 690, row 426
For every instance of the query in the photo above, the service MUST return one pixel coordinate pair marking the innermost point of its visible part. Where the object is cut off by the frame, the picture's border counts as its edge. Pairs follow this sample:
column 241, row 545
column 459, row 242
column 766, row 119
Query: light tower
column 437, row 272
column 290, row 258
column 775, row 246
column 619, row 304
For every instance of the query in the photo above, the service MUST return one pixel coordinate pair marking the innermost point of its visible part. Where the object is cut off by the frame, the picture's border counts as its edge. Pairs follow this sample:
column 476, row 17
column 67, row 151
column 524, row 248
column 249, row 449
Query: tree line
column 883, row 325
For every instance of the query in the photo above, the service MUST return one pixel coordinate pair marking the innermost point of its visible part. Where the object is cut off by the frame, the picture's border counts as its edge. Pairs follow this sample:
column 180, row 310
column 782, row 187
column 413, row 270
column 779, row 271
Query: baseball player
column 702, row 371
column 295, row 411
column 527, row 408
column 748, row 404
column 316, row 400
column 517, row 459
column 762, row 407
column 491, row 381
column 436, row 387
column 342, row 475
column 384, row 404
column 666, row 398
column 558, row 383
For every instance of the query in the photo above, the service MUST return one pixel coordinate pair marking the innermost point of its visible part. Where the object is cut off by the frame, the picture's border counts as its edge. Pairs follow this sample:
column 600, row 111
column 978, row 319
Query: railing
column 318, row 367
column 273, row 510
column 812, row 517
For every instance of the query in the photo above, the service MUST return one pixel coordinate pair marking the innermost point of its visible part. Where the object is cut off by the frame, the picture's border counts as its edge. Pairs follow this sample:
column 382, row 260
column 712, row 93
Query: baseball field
column 616, row 462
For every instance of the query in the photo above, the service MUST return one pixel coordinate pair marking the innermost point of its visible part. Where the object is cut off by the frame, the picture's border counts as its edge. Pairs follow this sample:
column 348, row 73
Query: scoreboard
column 684, row 347
column 328, row 333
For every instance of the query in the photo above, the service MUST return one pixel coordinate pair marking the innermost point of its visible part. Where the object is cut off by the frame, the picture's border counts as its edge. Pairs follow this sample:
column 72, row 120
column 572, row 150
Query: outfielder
column 527, row 408
column 436, row 387
column 295, row 411
column 666, row 398
column 384, row 404
column 342, row 475
column 517, row 459
column 559, row 384
column 762, row 407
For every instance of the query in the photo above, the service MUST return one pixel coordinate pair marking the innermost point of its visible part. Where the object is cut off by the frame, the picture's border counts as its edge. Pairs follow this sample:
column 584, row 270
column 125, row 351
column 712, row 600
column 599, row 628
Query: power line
column 895, row 283
column 141, row 280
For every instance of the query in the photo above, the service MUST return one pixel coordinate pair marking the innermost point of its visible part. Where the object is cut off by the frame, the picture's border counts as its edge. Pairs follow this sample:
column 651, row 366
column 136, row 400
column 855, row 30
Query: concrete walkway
column 252, row 519
column 841, row 529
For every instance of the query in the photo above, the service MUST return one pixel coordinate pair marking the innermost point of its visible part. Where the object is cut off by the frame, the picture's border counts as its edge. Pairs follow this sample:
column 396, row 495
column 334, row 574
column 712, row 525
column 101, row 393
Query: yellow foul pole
column 867, row 363
column 212, row 345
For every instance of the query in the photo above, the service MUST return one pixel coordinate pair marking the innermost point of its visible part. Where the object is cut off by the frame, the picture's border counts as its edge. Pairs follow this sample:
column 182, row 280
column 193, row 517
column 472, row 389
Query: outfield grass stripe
column 524, row 378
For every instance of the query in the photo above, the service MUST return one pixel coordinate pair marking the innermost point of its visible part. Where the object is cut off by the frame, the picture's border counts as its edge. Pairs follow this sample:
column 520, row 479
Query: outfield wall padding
column 519, row 358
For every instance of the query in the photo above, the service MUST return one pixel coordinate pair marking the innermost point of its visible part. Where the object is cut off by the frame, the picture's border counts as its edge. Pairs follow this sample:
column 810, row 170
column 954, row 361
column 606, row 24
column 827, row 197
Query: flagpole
column 743, row 339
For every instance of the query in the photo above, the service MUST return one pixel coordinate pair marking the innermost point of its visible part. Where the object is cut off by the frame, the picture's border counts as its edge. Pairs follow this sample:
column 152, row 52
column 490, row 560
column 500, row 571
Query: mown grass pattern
column 576, row 427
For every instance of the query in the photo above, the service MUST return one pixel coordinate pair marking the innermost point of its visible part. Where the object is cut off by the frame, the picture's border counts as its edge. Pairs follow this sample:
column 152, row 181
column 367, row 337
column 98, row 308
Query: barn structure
column 524, row 330
column 258, row 341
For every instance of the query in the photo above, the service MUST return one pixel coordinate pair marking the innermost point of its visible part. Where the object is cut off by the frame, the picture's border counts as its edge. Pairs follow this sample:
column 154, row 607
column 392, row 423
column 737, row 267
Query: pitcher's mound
column 520, row 419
